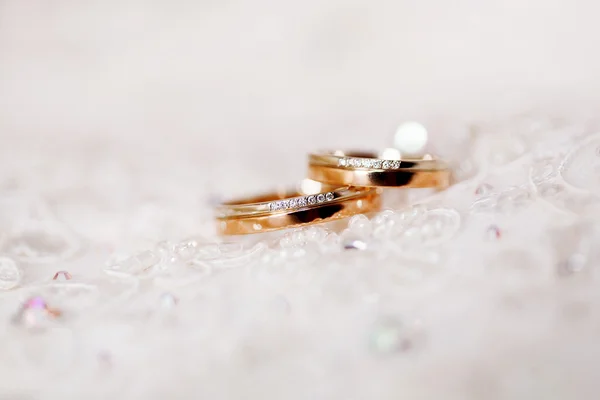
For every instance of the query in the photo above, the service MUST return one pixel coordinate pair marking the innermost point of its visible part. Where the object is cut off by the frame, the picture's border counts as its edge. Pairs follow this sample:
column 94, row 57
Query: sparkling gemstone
column 10, row 273
column 493, row 233
column 36, row 302
column 62, row 276
column 342, row 162
column 386, row 164
column 35, row 313
column 312, row 199
column 320, row 197
column 353, row 242
column 292, row 203
column 395, row 164
column 329, row 196
column 302, row 202
column 377, row 164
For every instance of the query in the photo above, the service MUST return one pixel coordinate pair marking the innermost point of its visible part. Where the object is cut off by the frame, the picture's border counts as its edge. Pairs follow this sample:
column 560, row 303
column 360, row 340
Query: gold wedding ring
column 312, row 202
column 368, row 170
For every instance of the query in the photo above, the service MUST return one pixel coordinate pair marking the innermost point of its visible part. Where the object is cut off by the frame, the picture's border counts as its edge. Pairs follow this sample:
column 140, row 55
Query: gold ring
column 312, row 202
column 368, row 170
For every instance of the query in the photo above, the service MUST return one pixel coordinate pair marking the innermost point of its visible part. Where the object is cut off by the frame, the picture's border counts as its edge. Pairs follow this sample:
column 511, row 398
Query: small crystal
column 167, row 301
column 62, row 276
column 36, row 302
column 292, row 203
column 185, row 251
column 383, row 223
column 360, row 224
column 395, row 164
column 573, row 264
column 312, row 199
column 342, row 162
column 353, row 242
column 377, row 164
column 35, row 313
column 321, row 198
column 302, row 202
column 10, row 273
column 386, row 164
column 389, row 336
column 493, row 233
column 329, row 196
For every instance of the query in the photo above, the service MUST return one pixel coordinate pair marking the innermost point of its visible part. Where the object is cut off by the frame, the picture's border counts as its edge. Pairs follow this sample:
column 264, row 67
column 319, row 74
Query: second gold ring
column 368, row 170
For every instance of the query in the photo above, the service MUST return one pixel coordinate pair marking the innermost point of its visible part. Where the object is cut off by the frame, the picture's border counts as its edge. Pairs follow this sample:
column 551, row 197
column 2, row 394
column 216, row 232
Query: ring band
column 313, row 202
column 367, row 170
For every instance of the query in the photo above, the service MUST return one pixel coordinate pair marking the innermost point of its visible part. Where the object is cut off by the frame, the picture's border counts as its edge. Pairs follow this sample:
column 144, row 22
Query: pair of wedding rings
column 339, row 185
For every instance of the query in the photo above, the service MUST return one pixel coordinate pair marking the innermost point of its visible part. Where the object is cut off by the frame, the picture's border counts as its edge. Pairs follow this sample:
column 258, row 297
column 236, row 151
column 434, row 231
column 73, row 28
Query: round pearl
column 410, row 138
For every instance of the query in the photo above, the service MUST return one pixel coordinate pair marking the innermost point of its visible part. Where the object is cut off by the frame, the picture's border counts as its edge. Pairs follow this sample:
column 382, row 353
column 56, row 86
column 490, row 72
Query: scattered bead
column 10, row 273
column 62, row 276
column 411, row 138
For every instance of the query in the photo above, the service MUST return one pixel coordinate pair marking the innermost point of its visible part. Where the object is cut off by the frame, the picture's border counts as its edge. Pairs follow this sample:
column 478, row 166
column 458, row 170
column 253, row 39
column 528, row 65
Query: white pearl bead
column 410, row 138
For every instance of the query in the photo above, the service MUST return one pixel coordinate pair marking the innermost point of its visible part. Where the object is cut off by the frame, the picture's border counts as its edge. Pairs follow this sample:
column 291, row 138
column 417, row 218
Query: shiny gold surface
column 411, row 173
column 255, row 214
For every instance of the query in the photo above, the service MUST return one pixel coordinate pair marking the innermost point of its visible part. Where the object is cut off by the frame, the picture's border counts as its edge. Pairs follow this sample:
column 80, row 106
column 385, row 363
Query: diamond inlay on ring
column 355, row 162
column 300, row 202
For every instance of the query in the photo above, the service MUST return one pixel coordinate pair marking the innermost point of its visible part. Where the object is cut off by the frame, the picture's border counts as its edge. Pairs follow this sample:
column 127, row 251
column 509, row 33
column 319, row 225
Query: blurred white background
column 122, row 120
column 269, row 80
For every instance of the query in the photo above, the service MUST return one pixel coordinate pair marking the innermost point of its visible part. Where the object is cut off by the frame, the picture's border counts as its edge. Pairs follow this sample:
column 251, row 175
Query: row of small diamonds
column 299, row 202
column 368, row 163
